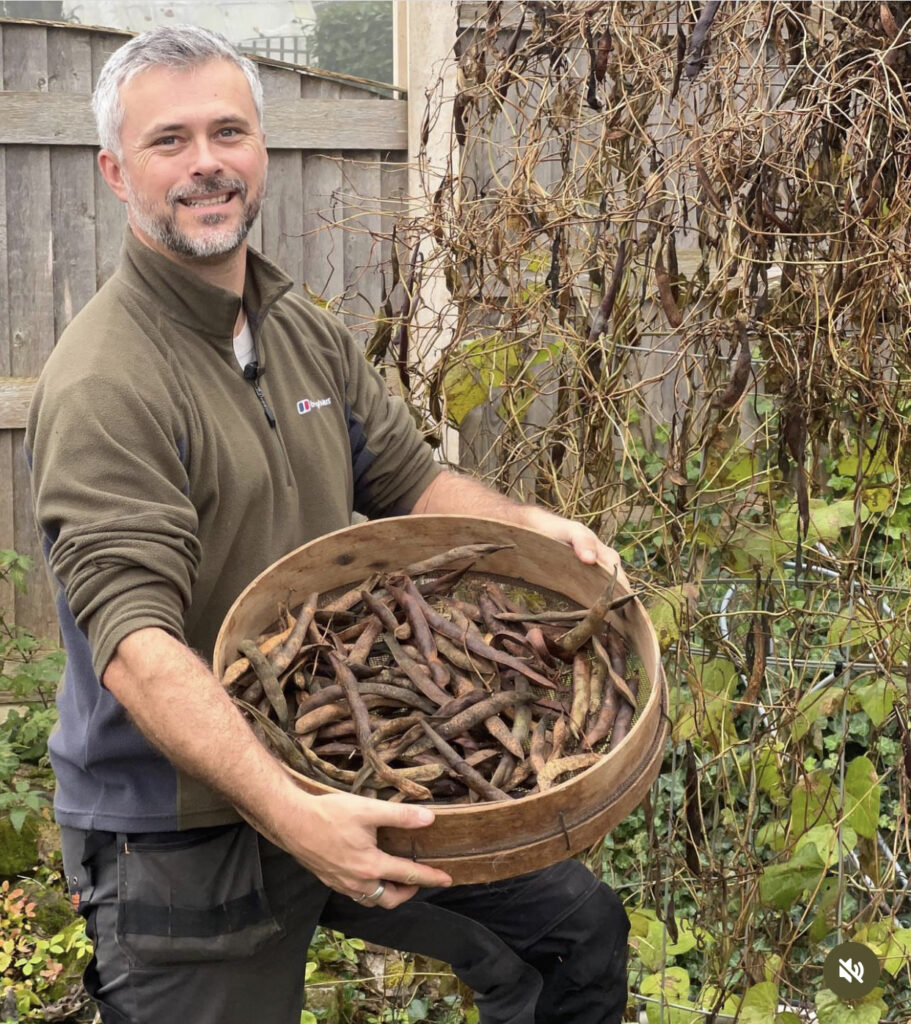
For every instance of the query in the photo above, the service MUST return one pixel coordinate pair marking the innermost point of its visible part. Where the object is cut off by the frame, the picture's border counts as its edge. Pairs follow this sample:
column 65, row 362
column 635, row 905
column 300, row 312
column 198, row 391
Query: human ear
column 112, row 172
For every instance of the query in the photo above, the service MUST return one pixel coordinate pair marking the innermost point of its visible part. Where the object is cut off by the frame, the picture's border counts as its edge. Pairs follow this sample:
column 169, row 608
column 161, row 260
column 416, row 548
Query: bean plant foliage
column 660, row 281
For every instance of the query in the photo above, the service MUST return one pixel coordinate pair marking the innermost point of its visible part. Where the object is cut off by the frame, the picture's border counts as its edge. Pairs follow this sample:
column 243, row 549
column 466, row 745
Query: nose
column 204, row 159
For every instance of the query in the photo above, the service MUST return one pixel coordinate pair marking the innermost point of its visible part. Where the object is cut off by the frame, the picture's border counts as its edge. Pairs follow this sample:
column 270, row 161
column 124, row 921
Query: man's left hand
column 584, row 542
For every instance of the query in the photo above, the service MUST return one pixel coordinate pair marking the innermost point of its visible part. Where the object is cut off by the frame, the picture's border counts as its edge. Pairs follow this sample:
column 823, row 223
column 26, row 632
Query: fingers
column 589, row 549
column 393, row 881
column 344, row 854
column 409, row 872
column 396, row 895
column 391, row 894
column 382, row 813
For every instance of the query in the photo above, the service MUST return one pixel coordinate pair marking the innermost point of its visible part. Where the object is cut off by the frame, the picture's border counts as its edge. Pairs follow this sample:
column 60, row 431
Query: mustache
column 207, row 187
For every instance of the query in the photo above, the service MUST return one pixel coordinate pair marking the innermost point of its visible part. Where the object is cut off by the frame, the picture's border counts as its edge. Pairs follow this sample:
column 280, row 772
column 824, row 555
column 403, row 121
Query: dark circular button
column 851, row 970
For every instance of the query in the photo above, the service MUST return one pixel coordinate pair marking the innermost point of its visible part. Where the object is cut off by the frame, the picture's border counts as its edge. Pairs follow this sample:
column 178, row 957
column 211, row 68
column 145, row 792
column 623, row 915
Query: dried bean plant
column 662, row 283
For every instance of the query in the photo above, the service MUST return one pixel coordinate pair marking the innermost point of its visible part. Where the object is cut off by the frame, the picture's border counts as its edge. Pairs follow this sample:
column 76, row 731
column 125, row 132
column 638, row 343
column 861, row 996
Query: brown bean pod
column 470, row 776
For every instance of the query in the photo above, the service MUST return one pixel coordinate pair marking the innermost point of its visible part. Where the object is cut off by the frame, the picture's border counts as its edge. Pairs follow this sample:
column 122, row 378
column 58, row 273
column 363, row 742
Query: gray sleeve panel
column 392, row 464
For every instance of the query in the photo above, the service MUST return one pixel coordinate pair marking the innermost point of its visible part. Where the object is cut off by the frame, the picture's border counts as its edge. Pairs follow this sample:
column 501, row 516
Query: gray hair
column 171, row 46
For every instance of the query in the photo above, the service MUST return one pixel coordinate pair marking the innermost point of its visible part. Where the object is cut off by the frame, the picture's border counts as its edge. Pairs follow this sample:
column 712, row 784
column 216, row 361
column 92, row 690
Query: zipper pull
column 251, row 373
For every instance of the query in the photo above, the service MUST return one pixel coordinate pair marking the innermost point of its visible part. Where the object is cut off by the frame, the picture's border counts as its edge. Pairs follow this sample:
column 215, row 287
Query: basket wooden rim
column 617, row 780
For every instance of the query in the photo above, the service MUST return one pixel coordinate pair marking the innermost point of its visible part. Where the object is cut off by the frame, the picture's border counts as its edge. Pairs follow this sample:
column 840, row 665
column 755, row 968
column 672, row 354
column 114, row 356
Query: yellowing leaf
column 673, row 984
column 760, row 1004
column 671, row 987
column 483, row 366
column 877, row 699
column 825, row 839
column 877, row 499
column 669, row 609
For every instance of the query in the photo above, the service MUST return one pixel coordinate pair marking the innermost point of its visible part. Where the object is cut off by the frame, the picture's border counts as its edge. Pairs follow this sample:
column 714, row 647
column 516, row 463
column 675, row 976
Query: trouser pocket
column 192, row 896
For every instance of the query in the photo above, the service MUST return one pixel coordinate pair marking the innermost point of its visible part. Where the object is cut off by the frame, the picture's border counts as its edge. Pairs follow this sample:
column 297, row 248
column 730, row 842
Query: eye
column 166, row 140
column 228, row 133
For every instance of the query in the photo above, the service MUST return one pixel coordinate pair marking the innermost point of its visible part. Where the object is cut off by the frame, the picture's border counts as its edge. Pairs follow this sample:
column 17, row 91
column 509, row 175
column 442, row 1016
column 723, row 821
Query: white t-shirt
column 244, row 349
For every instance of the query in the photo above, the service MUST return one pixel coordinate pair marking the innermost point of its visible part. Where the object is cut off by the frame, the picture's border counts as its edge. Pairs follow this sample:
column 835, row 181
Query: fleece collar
column 182, row 296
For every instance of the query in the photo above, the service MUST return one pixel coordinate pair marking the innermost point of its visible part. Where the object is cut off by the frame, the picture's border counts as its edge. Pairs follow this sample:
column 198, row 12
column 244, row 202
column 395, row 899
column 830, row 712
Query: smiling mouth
column 207, row 201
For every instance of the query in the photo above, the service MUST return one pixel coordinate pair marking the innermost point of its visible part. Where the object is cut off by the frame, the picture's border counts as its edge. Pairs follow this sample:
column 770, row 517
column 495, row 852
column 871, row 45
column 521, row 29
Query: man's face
column 193, row 164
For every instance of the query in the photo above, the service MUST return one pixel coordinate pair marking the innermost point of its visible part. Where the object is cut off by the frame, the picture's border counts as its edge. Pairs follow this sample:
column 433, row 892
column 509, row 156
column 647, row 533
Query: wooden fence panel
column 361, row 247
column 282, row 214
column 7, row 497
column 31, row 296
column 61, row 229
column 110, row 216
column 324, row 273
column 72, row 184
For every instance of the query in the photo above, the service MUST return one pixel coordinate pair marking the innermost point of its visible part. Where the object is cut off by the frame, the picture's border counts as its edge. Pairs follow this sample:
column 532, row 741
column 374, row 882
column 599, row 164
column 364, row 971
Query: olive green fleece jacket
column 162, row 487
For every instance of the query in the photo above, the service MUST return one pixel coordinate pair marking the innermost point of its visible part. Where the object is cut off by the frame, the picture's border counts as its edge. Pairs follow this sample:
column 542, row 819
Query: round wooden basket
column 488, row 841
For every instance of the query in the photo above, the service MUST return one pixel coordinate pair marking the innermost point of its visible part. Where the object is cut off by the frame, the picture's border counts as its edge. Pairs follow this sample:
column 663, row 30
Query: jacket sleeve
column 392, row 464
column 111, row 501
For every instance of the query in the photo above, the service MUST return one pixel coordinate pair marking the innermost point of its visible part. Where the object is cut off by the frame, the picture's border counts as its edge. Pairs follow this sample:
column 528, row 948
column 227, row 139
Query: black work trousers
column 212, row 926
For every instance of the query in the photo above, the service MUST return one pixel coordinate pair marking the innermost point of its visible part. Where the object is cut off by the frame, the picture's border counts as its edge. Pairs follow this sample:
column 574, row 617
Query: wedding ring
column 375, row 895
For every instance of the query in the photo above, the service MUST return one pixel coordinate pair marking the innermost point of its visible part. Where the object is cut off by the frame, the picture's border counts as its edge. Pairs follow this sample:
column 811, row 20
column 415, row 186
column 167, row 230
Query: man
column 170, row 465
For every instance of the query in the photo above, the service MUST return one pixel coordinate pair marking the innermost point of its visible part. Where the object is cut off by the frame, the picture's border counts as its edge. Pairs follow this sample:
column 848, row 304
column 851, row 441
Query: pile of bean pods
column 435, row 684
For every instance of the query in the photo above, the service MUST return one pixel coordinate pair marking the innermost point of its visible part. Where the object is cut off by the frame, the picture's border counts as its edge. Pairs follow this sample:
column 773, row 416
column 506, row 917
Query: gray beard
column 163, row 228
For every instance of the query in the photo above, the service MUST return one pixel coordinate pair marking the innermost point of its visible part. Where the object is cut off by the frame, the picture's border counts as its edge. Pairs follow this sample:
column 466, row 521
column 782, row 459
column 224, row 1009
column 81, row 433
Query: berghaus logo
column 309, row 404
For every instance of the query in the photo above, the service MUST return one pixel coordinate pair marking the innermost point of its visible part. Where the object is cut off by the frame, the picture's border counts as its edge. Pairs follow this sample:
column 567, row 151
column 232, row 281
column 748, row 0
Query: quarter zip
column 251, row 373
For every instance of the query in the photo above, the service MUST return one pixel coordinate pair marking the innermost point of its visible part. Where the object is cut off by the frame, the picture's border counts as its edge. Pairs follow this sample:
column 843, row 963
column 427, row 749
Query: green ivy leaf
column 831, row 1010
column 862, row 797
column 781, row 884
column 760, row 1004
column 816, row 704
column 814, row 801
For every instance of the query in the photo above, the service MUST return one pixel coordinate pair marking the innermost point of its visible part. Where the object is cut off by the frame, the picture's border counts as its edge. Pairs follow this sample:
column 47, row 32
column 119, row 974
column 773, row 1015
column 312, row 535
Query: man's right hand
column 183, row 709
column 339, row 847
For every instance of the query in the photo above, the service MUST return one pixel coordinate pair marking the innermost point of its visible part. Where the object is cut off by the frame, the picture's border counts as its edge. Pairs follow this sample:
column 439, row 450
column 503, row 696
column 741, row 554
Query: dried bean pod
column 554, row 768
column 415, row 672
column 472, row 778
column 422, row 636
column 240, row 667
column 266, row 675
column 448, row 629
column 581, row 693
column 412, row 790
column 288, row 651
